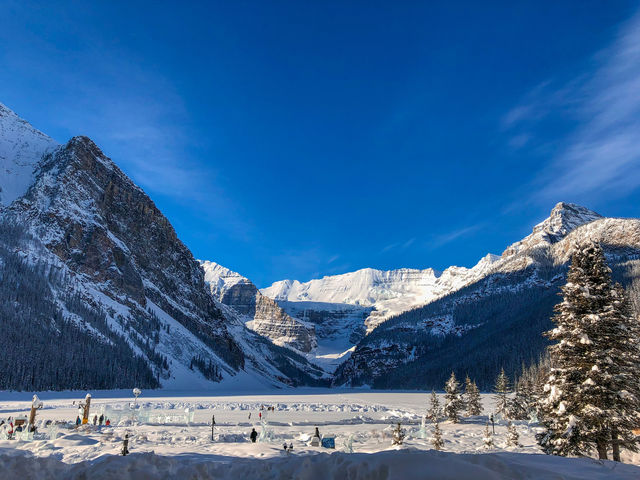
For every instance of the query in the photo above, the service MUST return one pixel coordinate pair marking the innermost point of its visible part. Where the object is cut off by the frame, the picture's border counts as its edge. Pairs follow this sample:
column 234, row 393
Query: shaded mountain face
column 123, row 280
column 260, row 313
column 496, row 321
column 123, row 251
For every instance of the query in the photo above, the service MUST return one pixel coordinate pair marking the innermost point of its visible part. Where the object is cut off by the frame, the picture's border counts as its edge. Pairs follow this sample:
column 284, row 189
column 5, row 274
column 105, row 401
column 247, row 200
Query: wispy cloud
column 448, row 237
column 398, row 245
column 601, row 155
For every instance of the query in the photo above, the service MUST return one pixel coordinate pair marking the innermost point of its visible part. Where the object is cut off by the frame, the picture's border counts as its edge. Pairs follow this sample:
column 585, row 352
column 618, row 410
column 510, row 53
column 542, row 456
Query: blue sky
column 301, row 139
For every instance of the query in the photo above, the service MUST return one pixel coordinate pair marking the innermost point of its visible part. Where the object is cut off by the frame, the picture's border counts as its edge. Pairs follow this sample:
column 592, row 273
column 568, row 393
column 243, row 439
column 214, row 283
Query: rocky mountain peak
column 563, row 219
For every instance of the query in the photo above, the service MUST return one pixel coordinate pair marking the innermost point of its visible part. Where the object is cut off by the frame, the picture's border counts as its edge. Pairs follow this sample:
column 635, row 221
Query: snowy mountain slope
column 389, row 292
column 126, row 256
column 496, row 321
column 120, row 259
column 261, row 314
column 21, row 148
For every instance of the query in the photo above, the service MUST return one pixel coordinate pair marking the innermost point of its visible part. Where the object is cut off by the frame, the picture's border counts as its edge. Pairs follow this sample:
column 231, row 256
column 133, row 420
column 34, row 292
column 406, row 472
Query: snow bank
column 391, row 464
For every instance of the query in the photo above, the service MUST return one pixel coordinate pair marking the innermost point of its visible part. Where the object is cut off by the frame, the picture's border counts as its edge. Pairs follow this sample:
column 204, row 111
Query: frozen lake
column 174, row 430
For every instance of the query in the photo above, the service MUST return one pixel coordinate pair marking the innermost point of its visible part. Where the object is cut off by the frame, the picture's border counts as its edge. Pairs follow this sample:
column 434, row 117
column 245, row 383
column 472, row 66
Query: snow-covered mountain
column 260, row 313
column 114, row 299
column 425, row 307
column 110, row 270
column 388, row 292
column 21, row 148
column 497, row 320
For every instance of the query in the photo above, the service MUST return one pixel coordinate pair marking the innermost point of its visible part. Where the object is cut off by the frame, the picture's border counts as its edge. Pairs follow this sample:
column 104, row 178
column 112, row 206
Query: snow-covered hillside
column 104, row 275
column 21, row 148
column 497, row 321
column 388, row 292
column 395, row 291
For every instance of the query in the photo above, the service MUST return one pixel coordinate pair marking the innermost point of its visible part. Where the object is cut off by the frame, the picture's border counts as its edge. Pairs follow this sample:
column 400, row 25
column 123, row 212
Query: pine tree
column 488, row 437
column 522, row 404
column 472, row 398
column 434, row 409
column 453, row 399
column 436, row 441
column 590, row 396
column 502, row 389
column 398, row 435
column 624, row 349
column 512, row 435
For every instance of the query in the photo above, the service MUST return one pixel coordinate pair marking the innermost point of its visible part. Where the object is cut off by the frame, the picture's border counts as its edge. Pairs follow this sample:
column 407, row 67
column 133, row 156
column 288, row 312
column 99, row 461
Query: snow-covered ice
column 173, row 440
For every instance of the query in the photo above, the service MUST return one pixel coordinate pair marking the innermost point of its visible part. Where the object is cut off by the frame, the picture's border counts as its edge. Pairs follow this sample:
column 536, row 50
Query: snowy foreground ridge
column 171, row 438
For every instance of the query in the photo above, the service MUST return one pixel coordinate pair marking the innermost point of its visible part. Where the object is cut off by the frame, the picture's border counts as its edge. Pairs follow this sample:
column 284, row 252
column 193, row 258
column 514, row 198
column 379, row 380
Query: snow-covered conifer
column 453, row 399
column 436, row 441
column 502, row 390
column 590, row 395
column 513, row 438
column 624, row 348
column 434, row 408
column 472, row 398
column 398, row 435
column 488, row 437
column 523, row 402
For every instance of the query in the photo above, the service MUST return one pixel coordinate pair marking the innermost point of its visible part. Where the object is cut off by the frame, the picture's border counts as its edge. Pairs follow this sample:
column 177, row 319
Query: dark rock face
column 108, row 231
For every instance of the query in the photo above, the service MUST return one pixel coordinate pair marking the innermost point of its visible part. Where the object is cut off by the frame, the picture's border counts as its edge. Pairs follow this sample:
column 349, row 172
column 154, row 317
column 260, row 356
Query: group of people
column 96, row 420
column 11, row 427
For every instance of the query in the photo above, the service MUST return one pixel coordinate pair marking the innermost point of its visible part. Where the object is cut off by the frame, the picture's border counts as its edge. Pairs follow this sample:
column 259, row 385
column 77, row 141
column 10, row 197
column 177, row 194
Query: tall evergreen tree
column 502, row 390
column 453, row 399
column 523, row 402
column 624, row 350
column 590, row 395
column 472, row 398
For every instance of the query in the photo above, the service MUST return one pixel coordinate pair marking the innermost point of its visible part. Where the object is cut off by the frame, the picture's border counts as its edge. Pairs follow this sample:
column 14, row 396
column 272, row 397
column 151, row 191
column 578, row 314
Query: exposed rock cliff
column 262, row 314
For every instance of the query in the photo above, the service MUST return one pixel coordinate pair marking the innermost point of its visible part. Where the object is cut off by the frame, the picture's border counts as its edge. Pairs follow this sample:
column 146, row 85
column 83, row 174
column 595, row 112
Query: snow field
column 181, row 450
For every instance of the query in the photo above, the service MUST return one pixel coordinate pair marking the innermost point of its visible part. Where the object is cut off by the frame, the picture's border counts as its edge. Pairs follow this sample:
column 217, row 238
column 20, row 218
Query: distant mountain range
column 99, row 290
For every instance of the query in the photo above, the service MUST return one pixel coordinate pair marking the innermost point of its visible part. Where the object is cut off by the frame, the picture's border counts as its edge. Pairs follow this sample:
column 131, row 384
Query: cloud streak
column 601, row 155
column 443, row 239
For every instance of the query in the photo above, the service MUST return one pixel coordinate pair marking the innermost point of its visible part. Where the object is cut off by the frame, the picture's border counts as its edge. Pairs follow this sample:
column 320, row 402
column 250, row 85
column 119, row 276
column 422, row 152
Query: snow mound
column 390, row 464
column 75, row 440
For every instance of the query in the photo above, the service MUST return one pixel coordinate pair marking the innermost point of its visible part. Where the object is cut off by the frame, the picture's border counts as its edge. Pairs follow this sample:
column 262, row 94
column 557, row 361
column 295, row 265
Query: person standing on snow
column 77, row 421
column 101, row 419
column 10, row 429
column 254, row 435
column 125, row 445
